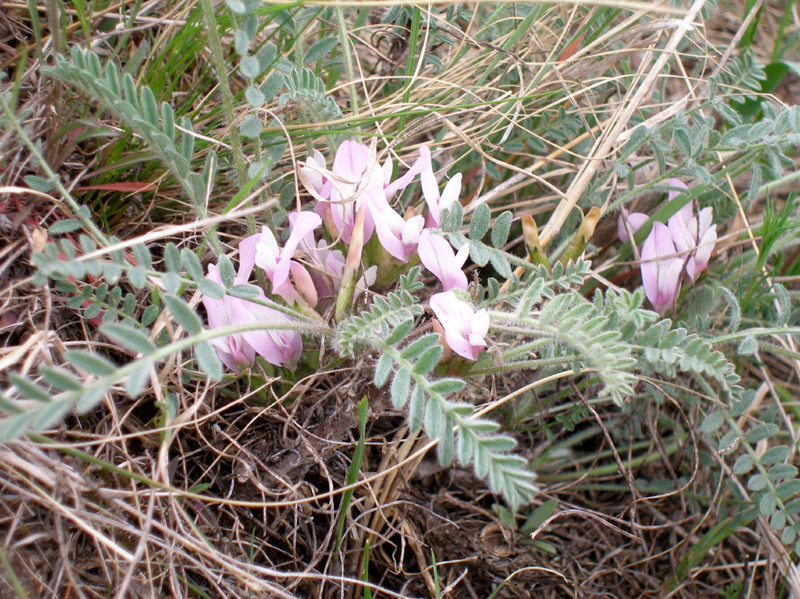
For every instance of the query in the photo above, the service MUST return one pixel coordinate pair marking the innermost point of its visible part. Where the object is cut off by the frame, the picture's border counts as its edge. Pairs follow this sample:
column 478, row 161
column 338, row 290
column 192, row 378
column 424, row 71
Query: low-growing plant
column 347, row 264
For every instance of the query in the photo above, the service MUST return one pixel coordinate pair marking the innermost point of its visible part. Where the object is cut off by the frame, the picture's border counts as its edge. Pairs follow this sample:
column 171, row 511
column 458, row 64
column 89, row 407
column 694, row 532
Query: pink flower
column 237, row 351
column 430, row 190
column 465, row 330
column 358, row 178
column 438, row 257
column 661, row 268
column 694, row 235
column 312, row 173
column 277, row 263
column 328, row 265
column 420, row 166
column 354, row 177
column 635, row 221
column 397, row 235
column 675, row 183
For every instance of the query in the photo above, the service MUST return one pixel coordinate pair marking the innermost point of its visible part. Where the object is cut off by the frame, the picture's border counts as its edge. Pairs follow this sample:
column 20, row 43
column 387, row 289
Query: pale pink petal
column 686, row 229
column 465, row 331
column 351, row 160
column 462, row 255
column 286, row 291
column 480, row 327
column 218, row 314
column 430, row 190
column 390, row 227
column 311, row 172
column 412, row 230
column 450, row 193
column 635, row 220
column 660, row 274
column 436, row 254
column 267, row 252
column 705, row 217
column 334, row 262
column 279, row 347
column 238, row 351
column 230, row 354
column 302, row 224
column 324, row 211
column 369, row 277
column 388, row 168
column 420, row 165
column 349, row 165
column 247, row 256
column 304, row 283
column 699, row 261
column 683, row 230
column 675, row 183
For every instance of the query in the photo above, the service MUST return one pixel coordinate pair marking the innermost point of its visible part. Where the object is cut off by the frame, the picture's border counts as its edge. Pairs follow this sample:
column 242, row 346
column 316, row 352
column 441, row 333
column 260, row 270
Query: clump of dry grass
column 237, row 492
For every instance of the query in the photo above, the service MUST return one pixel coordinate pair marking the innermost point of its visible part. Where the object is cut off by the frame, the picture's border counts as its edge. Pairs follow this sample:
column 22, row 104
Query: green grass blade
column 352, row 473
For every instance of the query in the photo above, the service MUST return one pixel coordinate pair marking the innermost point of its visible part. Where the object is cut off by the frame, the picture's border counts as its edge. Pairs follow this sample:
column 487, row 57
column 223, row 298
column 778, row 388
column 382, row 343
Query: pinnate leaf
column 192, row 264
column 183, row 314
column 447, row 385
column 400, row 386
column 137, row 379
column 28, row 388
column 59, row 378
column 128, row 337
column 480, row 222
column 382, row 370
column 208, row 360
column 502, row 225
column 400, row 331
column 428, row 360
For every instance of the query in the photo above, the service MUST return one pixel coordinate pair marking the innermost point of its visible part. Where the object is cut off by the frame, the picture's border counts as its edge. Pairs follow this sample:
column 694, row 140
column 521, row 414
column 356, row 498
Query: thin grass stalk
column 52, row 177
column 227, row 106
column 348, row 59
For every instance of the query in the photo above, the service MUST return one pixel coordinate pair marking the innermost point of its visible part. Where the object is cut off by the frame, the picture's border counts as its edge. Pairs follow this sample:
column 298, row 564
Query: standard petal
column 217, row 309
column 683, row 232
column 430, row 188
column 412, row 230
column 450, row 193
column 436, row 254
column 303, row 224
column 304, row 283
column 420, row 164
column 699, row 261
column 343, row 161
column 635, row 221
column 348, row 169
column 388, row 169
column 660, row 274
column 247, row 255
column 267, row 252
column 311, row 173
column 480, row 323
column 222, row 313
column 462, row 255
column 390, row 227
column 462, row 331
column 705, row 217
column 675, row 183
column 669, row 284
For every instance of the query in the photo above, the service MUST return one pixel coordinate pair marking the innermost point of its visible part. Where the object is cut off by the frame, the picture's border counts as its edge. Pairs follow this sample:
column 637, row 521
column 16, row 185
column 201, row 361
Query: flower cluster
column 353, row 202
column 686, row 241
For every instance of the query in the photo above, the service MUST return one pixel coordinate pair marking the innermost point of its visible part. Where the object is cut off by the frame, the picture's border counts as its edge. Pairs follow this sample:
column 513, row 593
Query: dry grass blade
column 232, row 489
